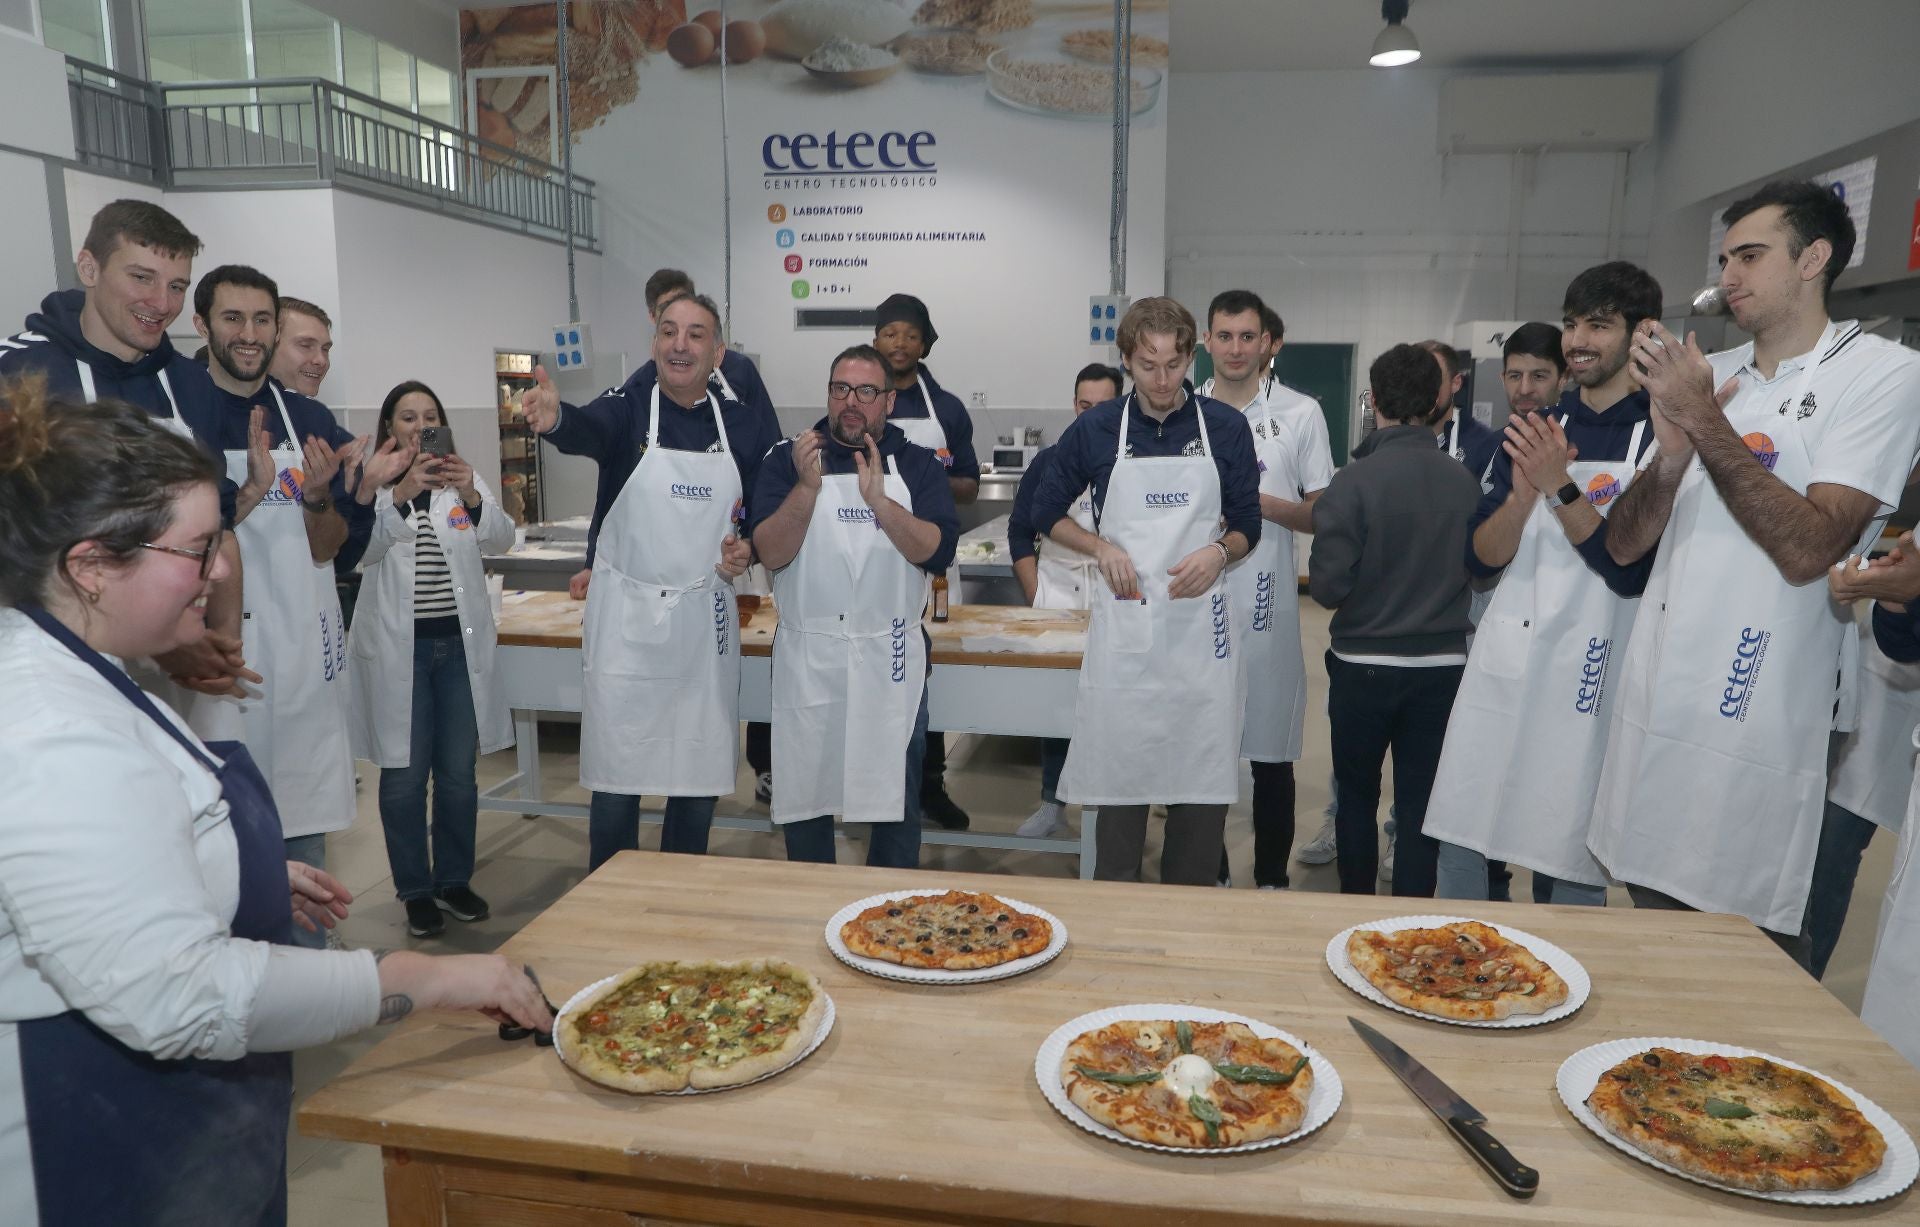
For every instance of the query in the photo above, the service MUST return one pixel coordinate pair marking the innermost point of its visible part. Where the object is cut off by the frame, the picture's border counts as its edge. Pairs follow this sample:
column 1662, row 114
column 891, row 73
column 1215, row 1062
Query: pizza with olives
column 1747, row 1122
column 672, row 1026
column 1465, row 971
column 958, row 931
column 1202, row 1085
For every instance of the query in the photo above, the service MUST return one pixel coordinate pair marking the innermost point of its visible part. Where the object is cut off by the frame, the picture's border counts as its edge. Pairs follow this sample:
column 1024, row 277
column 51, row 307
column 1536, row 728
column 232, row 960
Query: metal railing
column 116, row 122
column 308, row 130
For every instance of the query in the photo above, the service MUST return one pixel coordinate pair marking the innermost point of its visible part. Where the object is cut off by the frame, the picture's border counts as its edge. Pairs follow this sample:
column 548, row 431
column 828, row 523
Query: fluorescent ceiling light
column 1396, row 44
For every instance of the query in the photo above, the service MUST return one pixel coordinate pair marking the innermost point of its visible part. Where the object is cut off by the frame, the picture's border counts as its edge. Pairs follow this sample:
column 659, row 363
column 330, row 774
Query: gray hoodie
column 1389, row 543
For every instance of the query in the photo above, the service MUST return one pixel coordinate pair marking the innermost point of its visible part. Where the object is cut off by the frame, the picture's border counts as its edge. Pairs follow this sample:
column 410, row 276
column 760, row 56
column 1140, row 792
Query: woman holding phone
column 422, row 645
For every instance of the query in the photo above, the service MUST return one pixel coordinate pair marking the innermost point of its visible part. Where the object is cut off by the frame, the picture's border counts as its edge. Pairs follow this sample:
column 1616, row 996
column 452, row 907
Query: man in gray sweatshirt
column 1389, row 542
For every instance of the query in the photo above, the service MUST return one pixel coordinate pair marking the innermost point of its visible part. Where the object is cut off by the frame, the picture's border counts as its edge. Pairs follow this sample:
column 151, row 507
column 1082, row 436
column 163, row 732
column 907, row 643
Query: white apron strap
column 720, row 377
column 87, row 388
column 286, row 419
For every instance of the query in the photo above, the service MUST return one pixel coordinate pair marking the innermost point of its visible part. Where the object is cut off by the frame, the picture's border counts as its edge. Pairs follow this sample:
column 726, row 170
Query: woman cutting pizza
column 148, row 994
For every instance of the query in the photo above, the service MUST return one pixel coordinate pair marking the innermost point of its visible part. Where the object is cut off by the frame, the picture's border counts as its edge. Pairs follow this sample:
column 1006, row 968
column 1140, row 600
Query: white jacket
column 381, row 639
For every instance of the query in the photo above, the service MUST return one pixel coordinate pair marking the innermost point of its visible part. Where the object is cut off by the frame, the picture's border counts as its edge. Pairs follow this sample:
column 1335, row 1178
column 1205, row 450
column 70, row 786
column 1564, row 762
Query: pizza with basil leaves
column 1741, row 1121
column 1192, row 1084
column 671, row 1026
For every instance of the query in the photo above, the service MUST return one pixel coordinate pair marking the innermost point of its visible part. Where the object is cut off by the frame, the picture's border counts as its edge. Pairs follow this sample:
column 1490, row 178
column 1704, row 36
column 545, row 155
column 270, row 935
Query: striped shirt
column 432, row 580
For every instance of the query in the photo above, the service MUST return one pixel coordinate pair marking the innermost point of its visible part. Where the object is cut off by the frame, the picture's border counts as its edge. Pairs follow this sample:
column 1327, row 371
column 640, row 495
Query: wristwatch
column 1226, row 555
column 1567, row 495
column 320, row 508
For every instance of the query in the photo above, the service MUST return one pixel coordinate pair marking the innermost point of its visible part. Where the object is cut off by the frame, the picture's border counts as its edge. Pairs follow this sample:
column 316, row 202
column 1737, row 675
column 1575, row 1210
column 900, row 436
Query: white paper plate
column 939, row 975
column 1579, row 984
column 1322, row 1100
column 560, row 1044
column 1581, row 1072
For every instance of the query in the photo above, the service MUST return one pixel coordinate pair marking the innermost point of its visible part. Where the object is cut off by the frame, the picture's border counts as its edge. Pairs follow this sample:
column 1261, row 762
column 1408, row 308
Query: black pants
column 760, row 747
column 1374, row 709
column 1844, row 836
column 1272, row 825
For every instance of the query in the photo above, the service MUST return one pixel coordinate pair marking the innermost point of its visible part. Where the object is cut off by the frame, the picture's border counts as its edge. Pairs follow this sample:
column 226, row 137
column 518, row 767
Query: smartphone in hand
column 435, row 441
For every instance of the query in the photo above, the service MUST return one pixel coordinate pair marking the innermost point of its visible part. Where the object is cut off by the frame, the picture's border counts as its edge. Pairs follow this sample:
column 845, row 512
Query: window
column 436, row 92
column 196, row 40
column 78, row 28
column 292, row 40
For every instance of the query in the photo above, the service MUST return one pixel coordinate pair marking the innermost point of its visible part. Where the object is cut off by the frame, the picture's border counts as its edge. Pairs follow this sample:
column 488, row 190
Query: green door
column 1322, row 370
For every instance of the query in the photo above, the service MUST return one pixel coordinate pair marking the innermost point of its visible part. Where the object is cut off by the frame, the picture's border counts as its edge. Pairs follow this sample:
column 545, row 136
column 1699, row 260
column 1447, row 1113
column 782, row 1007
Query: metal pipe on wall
column 1122, row 130
column 565, row 120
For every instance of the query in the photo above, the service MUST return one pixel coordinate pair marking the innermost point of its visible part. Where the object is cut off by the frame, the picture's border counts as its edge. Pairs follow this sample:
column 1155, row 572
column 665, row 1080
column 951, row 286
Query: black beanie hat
column 896, row 308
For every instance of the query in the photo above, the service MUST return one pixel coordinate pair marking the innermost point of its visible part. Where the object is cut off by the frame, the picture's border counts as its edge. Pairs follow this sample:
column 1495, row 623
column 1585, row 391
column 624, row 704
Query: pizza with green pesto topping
column 1194, row 1084
column 673, row 1026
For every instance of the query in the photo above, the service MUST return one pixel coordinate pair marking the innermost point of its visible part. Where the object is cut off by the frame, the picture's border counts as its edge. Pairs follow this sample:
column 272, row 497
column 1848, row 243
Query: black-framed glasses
column 865, row 393
column 205, row 557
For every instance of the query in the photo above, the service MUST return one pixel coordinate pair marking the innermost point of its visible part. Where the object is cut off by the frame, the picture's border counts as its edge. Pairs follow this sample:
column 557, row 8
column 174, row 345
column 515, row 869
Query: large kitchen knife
column 1466, row 1122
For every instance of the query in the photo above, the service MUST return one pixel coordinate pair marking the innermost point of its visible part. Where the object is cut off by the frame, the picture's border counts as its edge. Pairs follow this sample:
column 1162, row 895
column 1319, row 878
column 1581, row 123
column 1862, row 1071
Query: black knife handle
column 1514, row 1176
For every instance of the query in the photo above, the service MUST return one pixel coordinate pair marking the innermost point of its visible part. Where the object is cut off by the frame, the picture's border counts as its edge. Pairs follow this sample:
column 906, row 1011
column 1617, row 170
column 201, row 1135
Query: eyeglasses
column 865, row 393
column 205, row 557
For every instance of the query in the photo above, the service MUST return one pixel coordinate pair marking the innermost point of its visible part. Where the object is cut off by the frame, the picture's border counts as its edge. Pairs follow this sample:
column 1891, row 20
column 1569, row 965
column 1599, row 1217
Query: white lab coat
column 381, row 640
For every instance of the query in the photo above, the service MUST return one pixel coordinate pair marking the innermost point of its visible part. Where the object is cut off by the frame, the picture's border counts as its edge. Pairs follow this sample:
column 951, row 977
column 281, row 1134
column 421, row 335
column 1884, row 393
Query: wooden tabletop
column 923, row 1099
column 552, row 620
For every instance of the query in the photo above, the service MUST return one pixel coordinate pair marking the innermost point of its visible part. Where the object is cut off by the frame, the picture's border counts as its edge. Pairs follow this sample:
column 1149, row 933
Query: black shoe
column 939, row 809
column 461, row 903
column 423, row 918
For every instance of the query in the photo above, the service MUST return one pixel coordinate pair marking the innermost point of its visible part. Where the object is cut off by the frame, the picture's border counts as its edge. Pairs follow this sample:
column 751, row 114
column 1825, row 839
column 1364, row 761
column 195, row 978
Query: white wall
column 1779, row 82
column 423, row 27
column 28, row 268
column 428, row 297
column 1345, row 217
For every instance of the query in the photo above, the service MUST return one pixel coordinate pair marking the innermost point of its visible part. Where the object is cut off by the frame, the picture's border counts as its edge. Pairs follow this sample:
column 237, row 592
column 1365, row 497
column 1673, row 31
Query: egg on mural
column 691, row 45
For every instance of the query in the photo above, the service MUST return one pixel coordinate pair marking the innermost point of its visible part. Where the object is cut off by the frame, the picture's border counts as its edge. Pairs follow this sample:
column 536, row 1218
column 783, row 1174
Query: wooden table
column 921, row 1107
column 1018, row 691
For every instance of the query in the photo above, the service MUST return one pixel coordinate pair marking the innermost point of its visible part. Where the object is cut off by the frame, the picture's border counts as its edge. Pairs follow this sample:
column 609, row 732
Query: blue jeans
column 613, row 825
column 1464, row 874
column 444, row 742
column 890, row 845
column 1053, row 758
column 1844, row 836
column 309, row 850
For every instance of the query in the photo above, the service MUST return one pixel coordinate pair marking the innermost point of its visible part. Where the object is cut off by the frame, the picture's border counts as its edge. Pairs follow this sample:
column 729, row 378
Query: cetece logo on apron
column 1168, row 498
column 1263, row 602
column 1763, row 449
column 720, row 621
column 1593, row 676
column 286, row 487
column 458, row 519
column 1603, row 489
column 856, row 515
column 698, row 494
column 333, row 648
column 898, row 638
column 1222, row 635
column 1748, row 655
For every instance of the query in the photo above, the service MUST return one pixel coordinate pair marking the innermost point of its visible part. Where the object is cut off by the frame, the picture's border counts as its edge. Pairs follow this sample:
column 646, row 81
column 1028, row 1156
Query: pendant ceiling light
column 1396, row 44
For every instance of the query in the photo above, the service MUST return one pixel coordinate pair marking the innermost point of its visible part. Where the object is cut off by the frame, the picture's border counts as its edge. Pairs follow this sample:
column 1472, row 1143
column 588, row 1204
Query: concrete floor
column 526, row 864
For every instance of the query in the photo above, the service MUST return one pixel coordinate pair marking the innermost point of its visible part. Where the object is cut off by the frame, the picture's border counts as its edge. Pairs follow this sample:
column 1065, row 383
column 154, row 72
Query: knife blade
column 1466, row 1122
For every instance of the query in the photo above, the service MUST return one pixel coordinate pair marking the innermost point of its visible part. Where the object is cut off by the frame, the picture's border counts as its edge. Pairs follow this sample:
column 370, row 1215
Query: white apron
column 1161, row 687
column 1066, row 578
column 1892, row 1003
column 1716, row 765
column 926, row 431
column 294, row 636
column 849, row 662
column 660, row 708
column 1265, row 590
column 1872, row 770
column 1529, row 726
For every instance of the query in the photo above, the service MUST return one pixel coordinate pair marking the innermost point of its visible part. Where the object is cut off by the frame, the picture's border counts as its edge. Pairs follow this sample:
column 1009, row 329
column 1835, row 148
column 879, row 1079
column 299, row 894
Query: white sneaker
column 1320, row 849
column 1269, row 886
column 1046, row 821
column 1386, row 865
column 763, row 788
